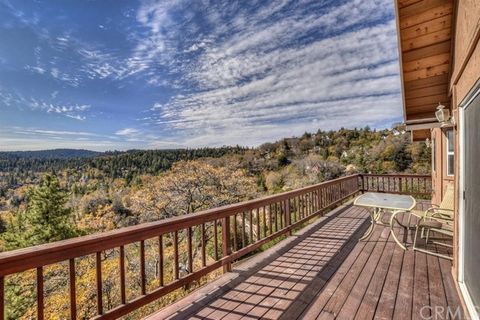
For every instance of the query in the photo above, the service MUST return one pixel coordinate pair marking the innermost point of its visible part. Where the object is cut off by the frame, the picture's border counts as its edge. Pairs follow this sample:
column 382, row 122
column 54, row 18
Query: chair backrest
column 448, row 201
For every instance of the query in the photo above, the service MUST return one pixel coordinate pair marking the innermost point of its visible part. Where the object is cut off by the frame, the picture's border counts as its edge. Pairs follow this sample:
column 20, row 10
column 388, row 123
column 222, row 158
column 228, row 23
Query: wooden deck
column 324, row 272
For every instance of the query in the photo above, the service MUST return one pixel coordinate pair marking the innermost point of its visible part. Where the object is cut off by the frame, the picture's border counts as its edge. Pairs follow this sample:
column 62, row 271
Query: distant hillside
column 113, row 164
column 50, row 154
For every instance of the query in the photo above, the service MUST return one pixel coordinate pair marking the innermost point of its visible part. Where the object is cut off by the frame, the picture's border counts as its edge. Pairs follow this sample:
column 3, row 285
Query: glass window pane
column 450, row 140
column 450, row 165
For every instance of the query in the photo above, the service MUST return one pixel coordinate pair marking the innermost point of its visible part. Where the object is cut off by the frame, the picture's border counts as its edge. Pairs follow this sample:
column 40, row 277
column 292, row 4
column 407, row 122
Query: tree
column 191, row 186
column 44, row 219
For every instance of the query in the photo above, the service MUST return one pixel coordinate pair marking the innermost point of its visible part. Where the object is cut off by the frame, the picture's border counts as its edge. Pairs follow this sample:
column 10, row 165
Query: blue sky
column 107, row 75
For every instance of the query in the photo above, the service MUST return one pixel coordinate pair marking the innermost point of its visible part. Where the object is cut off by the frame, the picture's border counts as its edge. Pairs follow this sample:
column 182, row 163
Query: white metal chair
column 437, row 219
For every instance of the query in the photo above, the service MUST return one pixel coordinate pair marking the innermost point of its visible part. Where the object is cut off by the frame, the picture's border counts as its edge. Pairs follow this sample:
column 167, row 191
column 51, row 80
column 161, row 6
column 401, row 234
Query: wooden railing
column 415, row 185
column 228, row 233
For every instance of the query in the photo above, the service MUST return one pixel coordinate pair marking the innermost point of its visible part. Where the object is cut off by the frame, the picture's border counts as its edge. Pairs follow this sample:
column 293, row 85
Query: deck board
column 324, row 272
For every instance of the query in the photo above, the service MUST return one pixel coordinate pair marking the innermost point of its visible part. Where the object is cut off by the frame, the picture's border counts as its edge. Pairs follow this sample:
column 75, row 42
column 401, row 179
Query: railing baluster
column 264, row 216
column 143, row 282
column 2, row 297
column 175, row 255
column 243, row 230
column 319, row 200
column 288, row 217
column 73, row 293
column 307, row 204
column 250, row 216
column 257, row 214
column 123, row 295
column 40, row 293
column 98, row 266
column 215, row 238
column 204, row 245
column 300, row 207
column 276, row 217
column 189, row 250
column 226, row 244
column 270, row 221
column 310, row 202
column 235, row 232
column 160, row 260
column 297, row 212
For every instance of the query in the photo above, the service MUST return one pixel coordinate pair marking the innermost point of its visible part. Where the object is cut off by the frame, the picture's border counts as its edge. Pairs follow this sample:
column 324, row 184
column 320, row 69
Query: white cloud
column 76, row 117
column 244, row 74
column 258, row 84
column 35, row 69
column 13, row 99
column 70, row 111
column 127, row 132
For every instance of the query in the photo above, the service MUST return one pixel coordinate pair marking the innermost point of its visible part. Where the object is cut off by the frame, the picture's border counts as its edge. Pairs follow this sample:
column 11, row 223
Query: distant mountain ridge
column 50, row 154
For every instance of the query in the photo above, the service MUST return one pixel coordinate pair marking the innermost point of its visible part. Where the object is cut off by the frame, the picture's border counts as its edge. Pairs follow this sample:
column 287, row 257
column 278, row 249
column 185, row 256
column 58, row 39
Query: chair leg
column 409, row 220
column 428, row 235
column 415, row 238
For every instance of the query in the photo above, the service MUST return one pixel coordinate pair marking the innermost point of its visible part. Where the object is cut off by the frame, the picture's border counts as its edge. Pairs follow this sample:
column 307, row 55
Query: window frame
column 450, row 153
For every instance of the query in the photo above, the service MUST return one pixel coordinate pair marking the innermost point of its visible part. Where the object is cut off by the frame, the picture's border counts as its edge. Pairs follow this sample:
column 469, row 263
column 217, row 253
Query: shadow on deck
column 324, row 272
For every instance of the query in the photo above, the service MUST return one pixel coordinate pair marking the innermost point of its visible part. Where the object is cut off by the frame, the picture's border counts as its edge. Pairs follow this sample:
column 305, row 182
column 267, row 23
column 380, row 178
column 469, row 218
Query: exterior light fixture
column 443, row 115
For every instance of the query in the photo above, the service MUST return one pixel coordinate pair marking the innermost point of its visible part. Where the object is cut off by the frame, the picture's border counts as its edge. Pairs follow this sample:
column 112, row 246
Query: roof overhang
column 424, row 29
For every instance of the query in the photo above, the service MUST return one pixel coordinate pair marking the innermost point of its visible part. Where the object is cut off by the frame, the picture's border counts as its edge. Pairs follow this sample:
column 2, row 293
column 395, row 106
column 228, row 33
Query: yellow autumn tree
column 191, row 186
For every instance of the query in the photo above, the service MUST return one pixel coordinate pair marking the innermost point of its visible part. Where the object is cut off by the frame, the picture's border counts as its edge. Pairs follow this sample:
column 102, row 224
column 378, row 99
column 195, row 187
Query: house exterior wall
column 464, row 76
column 440, row 178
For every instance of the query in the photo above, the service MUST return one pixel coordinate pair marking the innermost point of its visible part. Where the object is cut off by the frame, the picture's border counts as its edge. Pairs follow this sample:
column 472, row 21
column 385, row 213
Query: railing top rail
column 407, row 175
column 45, row 254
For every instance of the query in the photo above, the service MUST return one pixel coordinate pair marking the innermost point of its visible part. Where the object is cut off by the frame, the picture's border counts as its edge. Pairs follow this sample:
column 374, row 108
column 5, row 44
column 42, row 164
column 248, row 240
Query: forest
column 45, row 198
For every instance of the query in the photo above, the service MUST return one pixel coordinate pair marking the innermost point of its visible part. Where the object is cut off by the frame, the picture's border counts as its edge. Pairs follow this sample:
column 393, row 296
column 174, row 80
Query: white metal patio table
column 380, row 203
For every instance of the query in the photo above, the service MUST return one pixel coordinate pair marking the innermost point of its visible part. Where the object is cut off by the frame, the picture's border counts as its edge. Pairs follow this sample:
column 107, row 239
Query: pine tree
column 45, row 218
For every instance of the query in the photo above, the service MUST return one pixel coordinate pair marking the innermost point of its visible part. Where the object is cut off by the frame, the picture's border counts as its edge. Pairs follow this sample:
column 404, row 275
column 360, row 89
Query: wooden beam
column 426, row 27
column 427, row 91
column 422, row 115
column 422, row 6
column 404, row 3
column 431, row 107
column 428, row 62
column 432, row 50
column 425, row 16
column 435, row 99
column 421, row 135
column 426, row 73
column 426, row 40
column 427, row 82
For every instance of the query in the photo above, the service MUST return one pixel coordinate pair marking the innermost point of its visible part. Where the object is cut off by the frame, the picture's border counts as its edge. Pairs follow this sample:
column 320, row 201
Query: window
column 433, row 154
column 450, row 155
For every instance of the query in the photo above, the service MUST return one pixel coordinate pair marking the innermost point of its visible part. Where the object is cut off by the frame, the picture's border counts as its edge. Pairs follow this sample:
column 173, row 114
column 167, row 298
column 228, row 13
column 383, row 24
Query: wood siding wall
column 465, row 74
column 440, row 178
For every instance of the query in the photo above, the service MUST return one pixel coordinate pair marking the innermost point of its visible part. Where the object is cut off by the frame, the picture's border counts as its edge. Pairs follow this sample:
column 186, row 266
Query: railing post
column 226, row 244
column 288, row 217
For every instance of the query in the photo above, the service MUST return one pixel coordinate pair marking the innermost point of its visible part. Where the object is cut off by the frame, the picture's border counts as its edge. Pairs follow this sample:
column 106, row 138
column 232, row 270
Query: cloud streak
column 262, row 82
column 177, row 73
